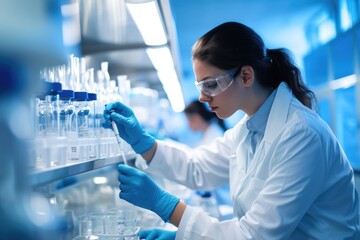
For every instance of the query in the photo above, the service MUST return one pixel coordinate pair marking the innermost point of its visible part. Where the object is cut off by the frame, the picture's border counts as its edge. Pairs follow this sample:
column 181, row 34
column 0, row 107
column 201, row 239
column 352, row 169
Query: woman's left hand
column 137, row 188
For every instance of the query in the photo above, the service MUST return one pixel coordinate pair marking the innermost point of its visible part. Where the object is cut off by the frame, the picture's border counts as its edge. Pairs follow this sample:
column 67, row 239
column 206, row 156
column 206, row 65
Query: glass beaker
column 128, row 233
column 116, row 221
column 86, row 225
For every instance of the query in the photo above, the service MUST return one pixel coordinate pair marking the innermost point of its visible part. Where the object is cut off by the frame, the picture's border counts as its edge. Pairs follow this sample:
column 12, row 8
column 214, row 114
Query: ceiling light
column 100, row 180
column 164, row 64
column 147, row 18
column 172, row 88
column 160, row 58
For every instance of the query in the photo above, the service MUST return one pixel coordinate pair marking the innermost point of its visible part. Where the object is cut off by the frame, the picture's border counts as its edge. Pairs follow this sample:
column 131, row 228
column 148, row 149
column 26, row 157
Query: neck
column 257, row 99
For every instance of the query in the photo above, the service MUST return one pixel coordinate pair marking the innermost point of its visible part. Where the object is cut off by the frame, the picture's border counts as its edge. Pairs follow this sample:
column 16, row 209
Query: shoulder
column 306, row 125
column 303, row 117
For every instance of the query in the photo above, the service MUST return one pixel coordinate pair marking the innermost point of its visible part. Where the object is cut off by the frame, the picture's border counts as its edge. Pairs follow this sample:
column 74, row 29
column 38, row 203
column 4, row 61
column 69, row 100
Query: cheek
column 230, row 103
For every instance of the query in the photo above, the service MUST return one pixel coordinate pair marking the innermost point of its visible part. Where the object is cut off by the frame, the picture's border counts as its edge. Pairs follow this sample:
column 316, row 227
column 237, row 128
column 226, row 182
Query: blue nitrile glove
column 158, row 234
column 137, row 188
column 129, row 127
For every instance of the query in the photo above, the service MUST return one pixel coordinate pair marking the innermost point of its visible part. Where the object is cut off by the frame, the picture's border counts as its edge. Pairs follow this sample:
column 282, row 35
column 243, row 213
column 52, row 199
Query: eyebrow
column 212, row 77
column 219, row 75
column 207, row 78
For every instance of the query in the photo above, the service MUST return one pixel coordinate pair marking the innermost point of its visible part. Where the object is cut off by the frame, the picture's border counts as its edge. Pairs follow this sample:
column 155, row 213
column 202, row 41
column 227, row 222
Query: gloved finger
column 106, row 124
column 126, row 188
column 120, row 194
column 119, row 119
column 119, row 107
column 109, row 108
column 127, row 170
column 151, row 234
column 125, row 196
column 126, row 179
column 144, row 233
column 107, row 115
column 113, row 106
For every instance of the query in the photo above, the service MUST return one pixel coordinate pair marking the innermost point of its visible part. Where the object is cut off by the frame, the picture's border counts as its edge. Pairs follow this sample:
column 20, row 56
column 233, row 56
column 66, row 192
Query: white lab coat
column 212, row 132
column 299, row 184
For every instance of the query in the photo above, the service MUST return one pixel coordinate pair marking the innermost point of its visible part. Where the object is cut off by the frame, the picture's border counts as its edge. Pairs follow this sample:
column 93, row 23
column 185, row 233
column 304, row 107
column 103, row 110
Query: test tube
column 118, row 139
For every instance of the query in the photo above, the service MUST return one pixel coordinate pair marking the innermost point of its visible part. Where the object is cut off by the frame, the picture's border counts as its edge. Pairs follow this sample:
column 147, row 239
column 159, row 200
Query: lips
column 213, row 109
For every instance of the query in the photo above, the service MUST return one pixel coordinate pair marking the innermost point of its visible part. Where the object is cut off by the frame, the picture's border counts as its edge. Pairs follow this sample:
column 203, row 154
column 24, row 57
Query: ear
column 247, row 75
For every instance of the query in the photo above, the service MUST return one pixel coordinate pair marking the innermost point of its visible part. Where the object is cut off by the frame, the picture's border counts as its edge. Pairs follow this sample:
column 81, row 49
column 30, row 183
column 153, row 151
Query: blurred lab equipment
column 22, row 54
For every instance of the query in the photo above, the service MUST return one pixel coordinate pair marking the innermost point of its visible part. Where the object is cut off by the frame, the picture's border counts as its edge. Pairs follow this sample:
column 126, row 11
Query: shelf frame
column 41, row 177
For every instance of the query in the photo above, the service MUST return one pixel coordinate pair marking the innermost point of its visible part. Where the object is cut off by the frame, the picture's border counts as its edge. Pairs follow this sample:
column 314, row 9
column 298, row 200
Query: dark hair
column 233, row 44
column 197, row 107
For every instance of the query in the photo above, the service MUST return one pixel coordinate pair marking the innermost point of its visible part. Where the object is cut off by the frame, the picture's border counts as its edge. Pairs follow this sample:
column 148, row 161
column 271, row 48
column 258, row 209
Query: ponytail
column 283, row 69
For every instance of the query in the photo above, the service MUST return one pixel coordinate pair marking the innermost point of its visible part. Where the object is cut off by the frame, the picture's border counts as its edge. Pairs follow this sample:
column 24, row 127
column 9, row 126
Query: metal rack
column 49, row 175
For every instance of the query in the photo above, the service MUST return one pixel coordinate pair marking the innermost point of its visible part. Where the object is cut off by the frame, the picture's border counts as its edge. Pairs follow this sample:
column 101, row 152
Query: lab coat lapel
column 278, row 114
column 276, row 121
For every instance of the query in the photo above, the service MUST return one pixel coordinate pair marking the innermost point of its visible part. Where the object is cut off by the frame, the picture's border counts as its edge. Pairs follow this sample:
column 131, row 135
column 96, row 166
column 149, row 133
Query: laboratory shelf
column 49, row 175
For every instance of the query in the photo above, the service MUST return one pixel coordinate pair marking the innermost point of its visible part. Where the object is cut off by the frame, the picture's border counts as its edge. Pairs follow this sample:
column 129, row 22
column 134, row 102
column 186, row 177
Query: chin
column 223, row 115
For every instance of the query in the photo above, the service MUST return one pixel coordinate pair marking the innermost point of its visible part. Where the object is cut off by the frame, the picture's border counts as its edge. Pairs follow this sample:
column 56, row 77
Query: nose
column 204, row 98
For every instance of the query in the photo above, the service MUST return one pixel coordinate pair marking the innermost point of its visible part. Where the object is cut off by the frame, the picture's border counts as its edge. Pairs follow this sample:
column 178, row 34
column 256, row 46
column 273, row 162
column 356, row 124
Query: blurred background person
column 201, row 119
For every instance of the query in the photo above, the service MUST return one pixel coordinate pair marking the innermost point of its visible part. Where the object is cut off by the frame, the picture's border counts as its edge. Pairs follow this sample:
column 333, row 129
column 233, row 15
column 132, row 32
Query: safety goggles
column 214, row 86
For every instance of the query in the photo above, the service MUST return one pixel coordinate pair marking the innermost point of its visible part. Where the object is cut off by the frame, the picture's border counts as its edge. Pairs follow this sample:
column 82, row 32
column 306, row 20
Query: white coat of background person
column 289, row 177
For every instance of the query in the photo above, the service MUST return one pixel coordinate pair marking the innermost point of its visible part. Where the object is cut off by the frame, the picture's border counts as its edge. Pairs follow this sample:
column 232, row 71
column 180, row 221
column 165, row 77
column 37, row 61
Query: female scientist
column 289, row 177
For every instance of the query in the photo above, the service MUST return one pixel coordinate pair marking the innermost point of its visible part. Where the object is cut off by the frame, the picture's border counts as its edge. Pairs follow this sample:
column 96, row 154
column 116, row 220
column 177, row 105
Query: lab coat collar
column 278, row 113
column 277, row 116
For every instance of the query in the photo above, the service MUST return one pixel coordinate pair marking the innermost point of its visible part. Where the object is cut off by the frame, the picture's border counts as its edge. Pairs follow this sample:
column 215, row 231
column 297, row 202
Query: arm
column 178, row 213
column 201, row 168
column 148, row 155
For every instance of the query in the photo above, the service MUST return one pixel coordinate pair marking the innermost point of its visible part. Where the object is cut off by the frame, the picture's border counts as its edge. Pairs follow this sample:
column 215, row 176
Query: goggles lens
column 214, row 86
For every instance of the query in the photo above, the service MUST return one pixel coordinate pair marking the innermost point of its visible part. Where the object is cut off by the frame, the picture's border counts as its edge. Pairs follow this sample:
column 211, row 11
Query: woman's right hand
column 129, row 128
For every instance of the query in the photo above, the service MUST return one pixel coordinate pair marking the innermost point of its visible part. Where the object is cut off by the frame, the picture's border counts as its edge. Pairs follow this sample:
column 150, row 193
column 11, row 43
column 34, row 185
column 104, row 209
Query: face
column 228, row 101
column 194, row 121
